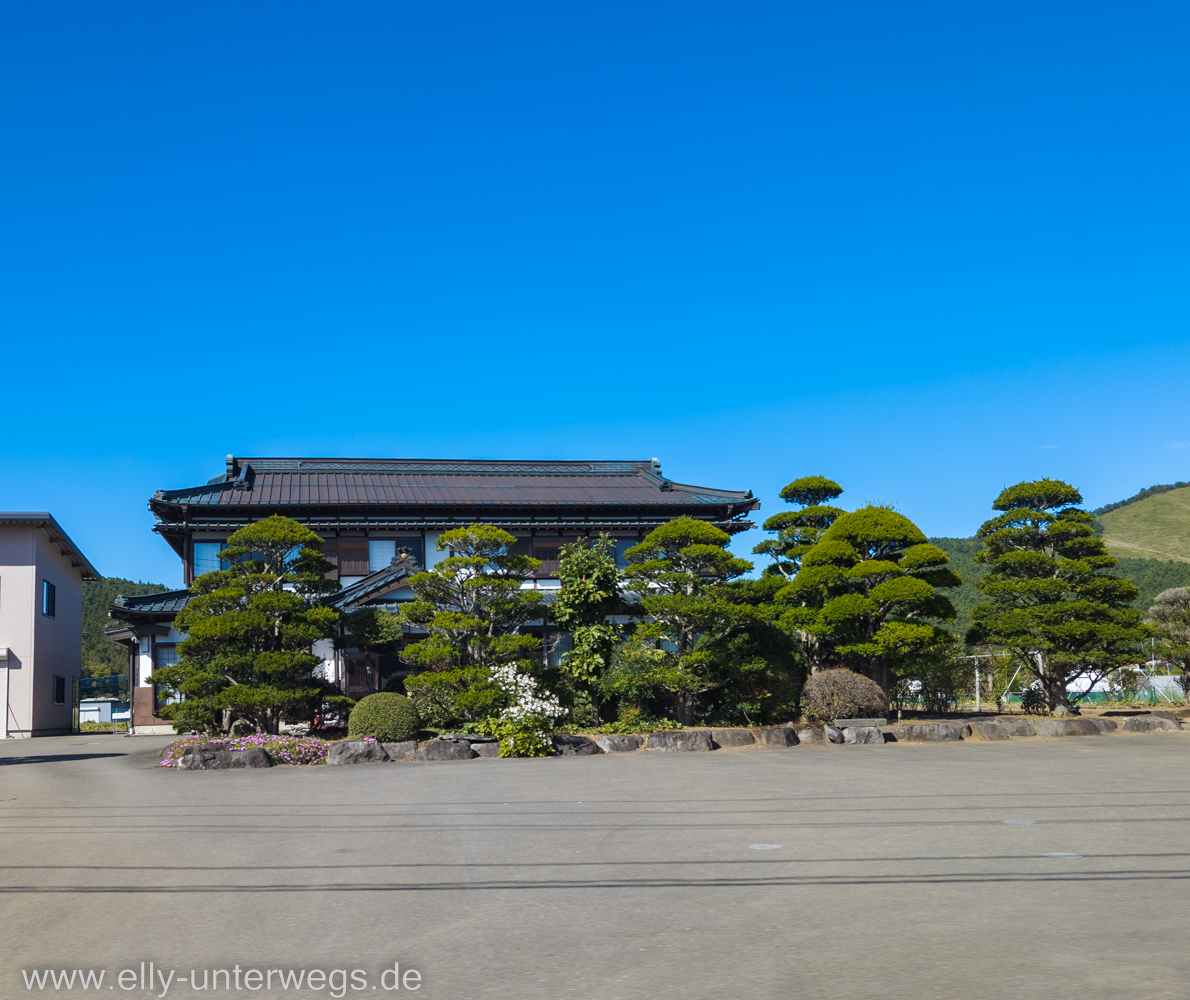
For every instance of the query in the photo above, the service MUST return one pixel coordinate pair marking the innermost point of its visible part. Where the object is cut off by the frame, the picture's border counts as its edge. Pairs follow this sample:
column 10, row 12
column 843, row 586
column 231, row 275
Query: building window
column 382, row 551
column 206, row 557
column 622, row 546
column 59, row 690
column 165, row 654
column 49, row 599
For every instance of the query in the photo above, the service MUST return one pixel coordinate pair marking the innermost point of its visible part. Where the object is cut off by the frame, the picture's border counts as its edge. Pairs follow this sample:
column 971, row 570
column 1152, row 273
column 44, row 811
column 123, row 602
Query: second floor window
column 49, row 599
column 206, row 557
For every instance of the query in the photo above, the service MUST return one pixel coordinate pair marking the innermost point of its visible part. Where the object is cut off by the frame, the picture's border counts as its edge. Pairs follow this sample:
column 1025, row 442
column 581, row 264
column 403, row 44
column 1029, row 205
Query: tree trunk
column 684, row 707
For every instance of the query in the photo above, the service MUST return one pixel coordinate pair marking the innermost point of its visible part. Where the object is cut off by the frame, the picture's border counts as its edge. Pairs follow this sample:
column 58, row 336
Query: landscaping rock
column 1164, row 715
column 1066, row 727
column 833, row 734
column 781, row 737
column 1017, row 727
column 575, row 746
column 439, row 749
column 486, row 749
column 934, row 732
column 356, row 752
column 893, row 734
column 986, row 729
column 620, row 744
column 860, row 723
column 400, row 751
column 1105, row 725
column 732, row 737
column 862, row 734
column 680, row 739
column 217, row 760
column 1150, row 724
column 810, row 734
column 469, row 737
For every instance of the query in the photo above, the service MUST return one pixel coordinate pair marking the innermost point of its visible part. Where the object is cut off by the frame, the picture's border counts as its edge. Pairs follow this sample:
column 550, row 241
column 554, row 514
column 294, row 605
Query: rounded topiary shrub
column 390, row 717
column 842, row 694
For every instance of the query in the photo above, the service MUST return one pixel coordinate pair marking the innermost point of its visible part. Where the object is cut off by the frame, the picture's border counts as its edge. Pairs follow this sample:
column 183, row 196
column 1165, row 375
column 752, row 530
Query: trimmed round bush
column 390, row 717
column 842, row 694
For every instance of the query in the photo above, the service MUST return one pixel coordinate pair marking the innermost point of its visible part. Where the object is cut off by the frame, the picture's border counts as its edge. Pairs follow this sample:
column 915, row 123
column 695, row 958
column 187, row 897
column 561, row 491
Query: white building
column 41, row 625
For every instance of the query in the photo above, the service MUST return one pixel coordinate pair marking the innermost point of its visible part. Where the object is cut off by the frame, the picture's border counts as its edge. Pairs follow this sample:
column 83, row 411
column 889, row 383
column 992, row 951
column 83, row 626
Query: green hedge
column 390, row 717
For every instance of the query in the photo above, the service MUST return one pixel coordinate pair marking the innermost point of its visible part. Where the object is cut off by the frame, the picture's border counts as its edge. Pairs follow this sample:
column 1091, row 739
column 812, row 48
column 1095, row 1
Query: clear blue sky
column 927, row 249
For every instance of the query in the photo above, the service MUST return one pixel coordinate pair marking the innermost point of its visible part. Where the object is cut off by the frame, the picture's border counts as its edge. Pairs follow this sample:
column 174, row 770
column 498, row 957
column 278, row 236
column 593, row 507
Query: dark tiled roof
column 167, row 603
column 278, row 483
column 364, row 590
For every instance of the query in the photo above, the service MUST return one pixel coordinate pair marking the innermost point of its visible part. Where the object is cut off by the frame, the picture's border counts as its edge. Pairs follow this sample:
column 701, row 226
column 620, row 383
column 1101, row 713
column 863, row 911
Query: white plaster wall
column 17, row 594
column 57, row 640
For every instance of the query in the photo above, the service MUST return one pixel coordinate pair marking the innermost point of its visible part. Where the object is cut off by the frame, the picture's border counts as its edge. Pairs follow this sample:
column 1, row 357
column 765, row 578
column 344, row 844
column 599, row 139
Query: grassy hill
column 1153, row 526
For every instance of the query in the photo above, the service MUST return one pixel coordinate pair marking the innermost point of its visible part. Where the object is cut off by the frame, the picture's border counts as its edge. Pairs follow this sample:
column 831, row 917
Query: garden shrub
column 842, row 694
column 390, row 717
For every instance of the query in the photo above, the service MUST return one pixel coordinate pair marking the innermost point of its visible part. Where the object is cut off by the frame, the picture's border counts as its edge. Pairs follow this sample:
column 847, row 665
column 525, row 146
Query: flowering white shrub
column 524, row 727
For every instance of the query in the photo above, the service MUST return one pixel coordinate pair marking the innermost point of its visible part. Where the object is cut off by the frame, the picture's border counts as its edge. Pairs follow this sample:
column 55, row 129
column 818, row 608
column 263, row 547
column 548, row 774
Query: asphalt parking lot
column 1049, row 867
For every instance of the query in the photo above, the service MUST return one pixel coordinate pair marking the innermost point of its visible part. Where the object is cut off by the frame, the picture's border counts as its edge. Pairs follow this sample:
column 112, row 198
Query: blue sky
column 927, row 249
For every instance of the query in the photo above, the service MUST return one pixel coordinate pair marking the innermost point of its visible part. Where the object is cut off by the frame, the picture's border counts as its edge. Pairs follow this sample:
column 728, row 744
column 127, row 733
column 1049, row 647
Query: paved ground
column 1056, row 868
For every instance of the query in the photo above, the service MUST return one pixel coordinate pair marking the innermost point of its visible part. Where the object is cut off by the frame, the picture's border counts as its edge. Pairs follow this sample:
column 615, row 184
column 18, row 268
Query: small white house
column 41, row 624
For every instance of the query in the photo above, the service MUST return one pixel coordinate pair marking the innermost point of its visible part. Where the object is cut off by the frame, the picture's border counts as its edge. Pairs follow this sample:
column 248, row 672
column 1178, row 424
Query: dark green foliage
column 1051, row 591
column 1151, row 577
column 1152, row 491
column 691, row 625
column 100, row 657
column 865, row 596
column 842, row 694
column 473, row 606
column 391, row 718
column 249, row 629
column 935, row 682
column 589, row 596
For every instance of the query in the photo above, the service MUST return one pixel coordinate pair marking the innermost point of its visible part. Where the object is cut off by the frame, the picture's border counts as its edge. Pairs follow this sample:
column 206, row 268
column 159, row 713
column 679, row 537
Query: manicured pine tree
column 1055, row 605
column 249, row 632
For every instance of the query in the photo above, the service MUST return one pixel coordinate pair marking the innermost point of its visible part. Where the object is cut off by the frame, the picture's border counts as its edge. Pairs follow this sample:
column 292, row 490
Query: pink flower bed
column 280, row 749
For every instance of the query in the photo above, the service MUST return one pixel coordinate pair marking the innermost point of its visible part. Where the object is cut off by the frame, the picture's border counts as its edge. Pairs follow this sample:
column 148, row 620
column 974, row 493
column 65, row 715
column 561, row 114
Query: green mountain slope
column 1155, row 527
column 101, row 657
column 1151, row 576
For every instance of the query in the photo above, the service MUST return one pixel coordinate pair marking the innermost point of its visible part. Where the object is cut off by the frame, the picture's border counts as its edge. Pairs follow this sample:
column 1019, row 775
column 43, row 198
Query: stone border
column 458, row 746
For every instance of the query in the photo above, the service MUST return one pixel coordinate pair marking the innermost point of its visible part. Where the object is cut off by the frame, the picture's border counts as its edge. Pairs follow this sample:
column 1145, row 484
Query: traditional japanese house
column 380, row 519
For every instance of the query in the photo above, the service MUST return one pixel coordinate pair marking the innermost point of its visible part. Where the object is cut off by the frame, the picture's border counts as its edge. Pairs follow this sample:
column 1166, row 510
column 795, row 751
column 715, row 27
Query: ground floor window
column 59, row 690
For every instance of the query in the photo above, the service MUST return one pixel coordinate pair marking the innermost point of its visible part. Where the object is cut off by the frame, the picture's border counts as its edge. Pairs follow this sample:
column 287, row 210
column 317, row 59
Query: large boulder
column 1105, row 725
column 987, row 729
column 404, row 750
column 207, row 759
column 935, row 732
column 680, row 739
column 439, row 749
column 566, row 745
column 1016, row 726
column 620, row 744
column 862, row 734
column 356, row 752
column 732, row 737
column 782, row 736
column 833, row 733
column 486, row 749
column 860, row 723
column 1066, row 727
column 811, row 734
column 1150, row 724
